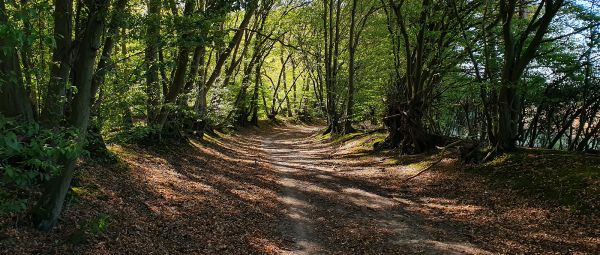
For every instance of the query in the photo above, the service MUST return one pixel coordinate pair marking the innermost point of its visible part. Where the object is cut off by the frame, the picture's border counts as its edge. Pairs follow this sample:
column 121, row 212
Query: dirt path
column 328, row 212
column 279, row 190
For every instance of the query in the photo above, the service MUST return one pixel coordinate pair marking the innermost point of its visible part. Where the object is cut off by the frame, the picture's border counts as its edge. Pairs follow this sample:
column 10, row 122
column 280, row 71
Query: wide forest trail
column 285, row 190
column 328, row 212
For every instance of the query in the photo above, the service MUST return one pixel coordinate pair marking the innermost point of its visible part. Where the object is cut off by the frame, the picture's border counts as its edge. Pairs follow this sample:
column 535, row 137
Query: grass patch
column 335, row 138
column 373, row 139
column 80, row 191
column 345, row 138
column 323, row 137
column 569, row 179
column 419, row 165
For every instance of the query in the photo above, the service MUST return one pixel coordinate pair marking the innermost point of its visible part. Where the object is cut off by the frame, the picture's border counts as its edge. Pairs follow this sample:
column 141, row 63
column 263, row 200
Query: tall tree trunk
column 97, row 143
column 26, row 59
column 192, row 76
column 104, row 64
column 330, row 46
column 53, row 111
column 337, row 125
column 241, row 111
column 51, row 203
column 257, row 83
column 153, row 91
column 286, row 99
column 200, row 102
column 14, row 101
column 183, row 56
column 294, row 90
column 349, row 111
column 176, row 88
column 417, row 78
column 237, row 38
column 508, row 118
column 518, row 53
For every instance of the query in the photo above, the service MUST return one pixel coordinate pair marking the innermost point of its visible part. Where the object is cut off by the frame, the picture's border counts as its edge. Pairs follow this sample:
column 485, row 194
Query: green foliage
column 10, row 203
column 138, row 135
column 95, row 226
column 29, row 156
column 98, row 225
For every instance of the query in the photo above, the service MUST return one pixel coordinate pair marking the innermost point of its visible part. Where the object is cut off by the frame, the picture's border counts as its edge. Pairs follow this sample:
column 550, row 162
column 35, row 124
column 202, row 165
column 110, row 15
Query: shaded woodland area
column 314, row 126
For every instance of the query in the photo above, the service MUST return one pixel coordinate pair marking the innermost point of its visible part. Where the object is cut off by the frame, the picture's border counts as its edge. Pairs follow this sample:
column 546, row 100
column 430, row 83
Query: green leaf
column 10, row 140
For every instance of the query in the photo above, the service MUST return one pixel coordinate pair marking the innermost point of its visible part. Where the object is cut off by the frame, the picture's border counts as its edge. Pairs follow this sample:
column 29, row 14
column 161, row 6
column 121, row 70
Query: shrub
column 144, row 135
column 29, row 156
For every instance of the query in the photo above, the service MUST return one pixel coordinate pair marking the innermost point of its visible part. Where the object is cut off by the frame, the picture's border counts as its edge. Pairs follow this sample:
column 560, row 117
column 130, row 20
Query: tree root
column 443, row 149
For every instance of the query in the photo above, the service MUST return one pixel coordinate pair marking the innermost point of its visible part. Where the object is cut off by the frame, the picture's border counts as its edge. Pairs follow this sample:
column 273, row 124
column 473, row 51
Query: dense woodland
column 497, row 75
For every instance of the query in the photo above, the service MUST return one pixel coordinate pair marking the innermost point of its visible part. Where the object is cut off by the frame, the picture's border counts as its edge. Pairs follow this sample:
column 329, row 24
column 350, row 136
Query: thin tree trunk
column 14, row 102
column 232, row 44
column 257, row 83
column 104, row 65
column 200, row 102
column 349, row 111
column 152, row 45
column 26, row 56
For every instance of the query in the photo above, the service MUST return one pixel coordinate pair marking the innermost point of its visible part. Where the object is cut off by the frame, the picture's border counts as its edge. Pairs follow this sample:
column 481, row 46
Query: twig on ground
column 443, row 149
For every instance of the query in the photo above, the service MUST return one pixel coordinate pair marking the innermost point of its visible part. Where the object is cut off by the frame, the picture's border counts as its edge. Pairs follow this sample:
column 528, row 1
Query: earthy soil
column 280, row 190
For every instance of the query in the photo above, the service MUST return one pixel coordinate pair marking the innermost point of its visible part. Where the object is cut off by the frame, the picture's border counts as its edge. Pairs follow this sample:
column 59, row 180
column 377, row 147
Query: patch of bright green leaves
column 96, row 226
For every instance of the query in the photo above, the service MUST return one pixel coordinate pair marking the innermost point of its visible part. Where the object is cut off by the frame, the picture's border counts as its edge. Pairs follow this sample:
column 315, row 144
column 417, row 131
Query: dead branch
column 443, row 149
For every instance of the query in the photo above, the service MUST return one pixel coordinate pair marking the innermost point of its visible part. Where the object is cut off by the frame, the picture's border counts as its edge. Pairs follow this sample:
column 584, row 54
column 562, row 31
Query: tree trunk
column 294, row 90
column 200, row 102
column 14, row 102
column 349, row 111
column 104, row 64
column 584, row 144
column 53, row 111
column 183, row 56
column 417, row 78
column 232, row 44
column 51, row 203
column 257, row 83
column 331, row 45
column 533, row 127
column 26, row 59
column 286, row 99
column 152, row 46
column 194, row 74
column 517, row 54
column 406, row 131
column 508, row 119
column 241, row 111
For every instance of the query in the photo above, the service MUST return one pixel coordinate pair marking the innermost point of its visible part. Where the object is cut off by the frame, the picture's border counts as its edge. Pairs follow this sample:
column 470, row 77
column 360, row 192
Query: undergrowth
column 30, row 155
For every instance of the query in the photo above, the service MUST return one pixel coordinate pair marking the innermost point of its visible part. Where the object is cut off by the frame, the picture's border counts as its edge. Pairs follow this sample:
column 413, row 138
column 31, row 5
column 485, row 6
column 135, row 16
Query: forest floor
column 286, row 190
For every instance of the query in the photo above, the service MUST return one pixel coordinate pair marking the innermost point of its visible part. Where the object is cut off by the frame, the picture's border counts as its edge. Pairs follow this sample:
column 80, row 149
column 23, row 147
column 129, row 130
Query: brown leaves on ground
column 282, row 191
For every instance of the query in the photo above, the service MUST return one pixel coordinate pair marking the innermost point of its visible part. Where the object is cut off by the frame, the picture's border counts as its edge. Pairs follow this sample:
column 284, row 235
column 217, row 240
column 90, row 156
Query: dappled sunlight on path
column 331, row 213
